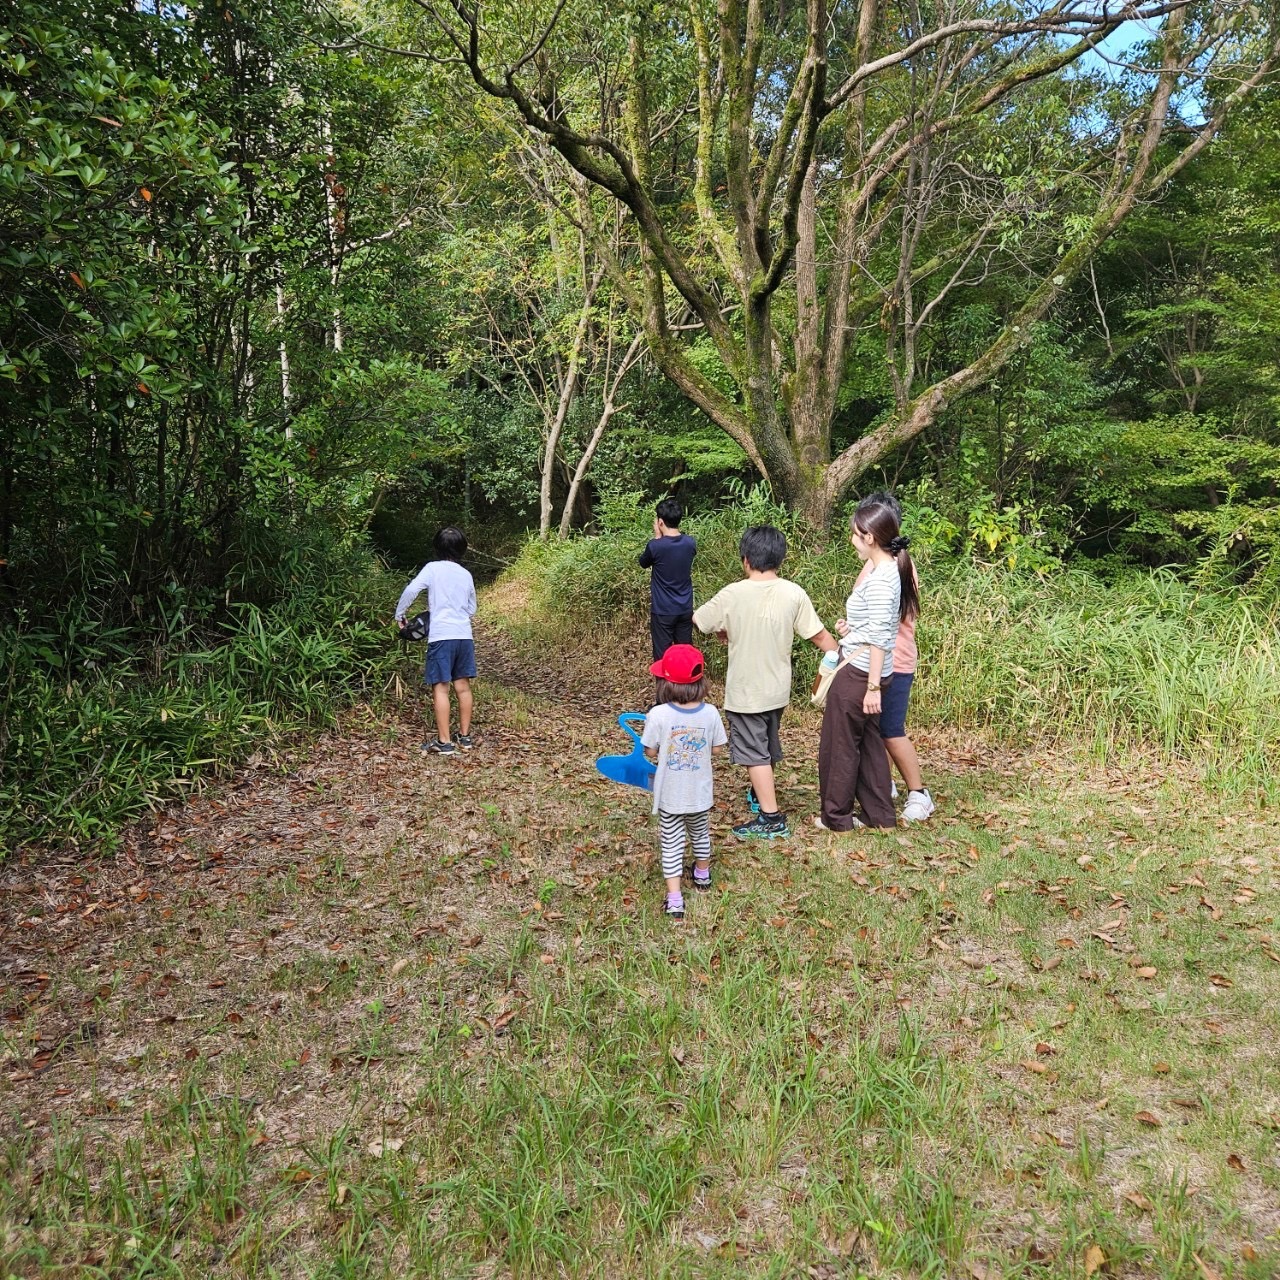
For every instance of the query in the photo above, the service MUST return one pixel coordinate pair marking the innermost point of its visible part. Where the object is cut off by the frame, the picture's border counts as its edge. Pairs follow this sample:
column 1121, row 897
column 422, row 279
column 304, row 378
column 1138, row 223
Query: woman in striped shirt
column 853, row 765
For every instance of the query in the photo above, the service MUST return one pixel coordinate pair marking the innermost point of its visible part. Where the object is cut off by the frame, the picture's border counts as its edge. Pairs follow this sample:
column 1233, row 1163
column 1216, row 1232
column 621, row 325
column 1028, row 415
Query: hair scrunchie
column 899, row 544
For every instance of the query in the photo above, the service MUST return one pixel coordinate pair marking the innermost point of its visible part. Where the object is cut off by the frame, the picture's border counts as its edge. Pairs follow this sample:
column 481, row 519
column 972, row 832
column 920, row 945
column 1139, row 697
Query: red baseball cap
column 681, row 664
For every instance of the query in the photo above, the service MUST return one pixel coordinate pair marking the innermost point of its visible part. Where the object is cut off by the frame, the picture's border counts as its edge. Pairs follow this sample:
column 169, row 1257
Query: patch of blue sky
column 1119, row 57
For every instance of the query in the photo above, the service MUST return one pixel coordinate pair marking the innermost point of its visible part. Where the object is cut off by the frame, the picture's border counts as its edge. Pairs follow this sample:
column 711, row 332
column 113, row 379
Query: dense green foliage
column 95, row 733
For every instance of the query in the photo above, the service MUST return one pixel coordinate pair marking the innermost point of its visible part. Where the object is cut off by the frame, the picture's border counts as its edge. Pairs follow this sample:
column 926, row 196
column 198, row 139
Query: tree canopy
column 820, row 188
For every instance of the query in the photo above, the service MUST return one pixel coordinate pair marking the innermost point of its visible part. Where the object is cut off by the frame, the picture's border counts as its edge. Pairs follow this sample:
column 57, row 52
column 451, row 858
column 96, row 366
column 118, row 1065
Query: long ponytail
column 879, row 516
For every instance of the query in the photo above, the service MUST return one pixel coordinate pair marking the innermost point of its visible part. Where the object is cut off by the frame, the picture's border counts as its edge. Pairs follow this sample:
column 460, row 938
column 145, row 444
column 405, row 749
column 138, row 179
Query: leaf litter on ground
column 321, row 949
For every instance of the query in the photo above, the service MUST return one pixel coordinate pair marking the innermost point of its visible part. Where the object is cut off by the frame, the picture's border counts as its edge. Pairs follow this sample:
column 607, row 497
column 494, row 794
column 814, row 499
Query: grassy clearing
column 381, row 1015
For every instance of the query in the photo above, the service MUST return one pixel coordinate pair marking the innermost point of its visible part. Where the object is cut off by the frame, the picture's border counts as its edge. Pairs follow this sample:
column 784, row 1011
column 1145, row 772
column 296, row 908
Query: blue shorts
column 450, row 660
column 893, row 705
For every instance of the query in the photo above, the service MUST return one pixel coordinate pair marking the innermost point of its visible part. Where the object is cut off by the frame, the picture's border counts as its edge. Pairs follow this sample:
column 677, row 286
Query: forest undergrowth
column 369, row 1013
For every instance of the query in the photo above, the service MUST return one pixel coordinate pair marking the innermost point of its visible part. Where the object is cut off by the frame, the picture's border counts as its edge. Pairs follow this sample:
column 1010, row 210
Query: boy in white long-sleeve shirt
column 451, row 650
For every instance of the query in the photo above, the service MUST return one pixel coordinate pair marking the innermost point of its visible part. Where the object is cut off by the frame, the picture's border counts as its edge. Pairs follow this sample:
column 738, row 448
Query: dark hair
column 669, row 691
column 885, row 498
column 670, row 512
column 450, row 543
column 879, row 516
column 763, row 547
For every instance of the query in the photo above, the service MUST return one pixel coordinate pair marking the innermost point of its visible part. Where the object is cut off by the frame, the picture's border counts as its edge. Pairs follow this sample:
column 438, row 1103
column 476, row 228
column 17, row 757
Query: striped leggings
column 674, row 827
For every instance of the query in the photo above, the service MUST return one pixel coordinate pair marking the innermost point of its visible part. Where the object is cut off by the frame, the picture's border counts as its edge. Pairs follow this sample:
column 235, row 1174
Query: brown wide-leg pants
column 853, row 765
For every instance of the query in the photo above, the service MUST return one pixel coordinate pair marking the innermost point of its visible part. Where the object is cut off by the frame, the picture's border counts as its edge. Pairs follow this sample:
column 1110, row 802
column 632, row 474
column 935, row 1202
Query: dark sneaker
column 465, row 741
column 761, row 827
column 752, row 803
column 698, row 882
column 442, row 748
column 674, row 909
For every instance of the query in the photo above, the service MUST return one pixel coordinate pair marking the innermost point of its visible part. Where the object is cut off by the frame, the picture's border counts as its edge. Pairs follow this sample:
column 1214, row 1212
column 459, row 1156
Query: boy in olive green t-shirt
column 758, row 617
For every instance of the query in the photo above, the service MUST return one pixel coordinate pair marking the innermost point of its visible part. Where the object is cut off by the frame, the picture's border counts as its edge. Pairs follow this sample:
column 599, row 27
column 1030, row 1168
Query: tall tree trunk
column 607, row 412
column 335, row 225
column 568, row 390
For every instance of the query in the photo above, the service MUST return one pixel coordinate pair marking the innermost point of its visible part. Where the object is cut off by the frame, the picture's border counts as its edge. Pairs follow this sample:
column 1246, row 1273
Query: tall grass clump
column 1141, row 661
column 100, row 722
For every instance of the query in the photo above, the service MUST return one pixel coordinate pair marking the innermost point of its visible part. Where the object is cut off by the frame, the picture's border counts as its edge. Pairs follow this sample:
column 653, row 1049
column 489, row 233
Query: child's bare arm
column 651, row 753
column 823, row 640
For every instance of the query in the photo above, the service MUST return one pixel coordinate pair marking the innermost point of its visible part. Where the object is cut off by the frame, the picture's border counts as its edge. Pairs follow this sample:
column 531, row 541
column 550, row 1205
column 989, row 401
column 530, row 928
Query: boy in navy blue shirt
column 670, row 556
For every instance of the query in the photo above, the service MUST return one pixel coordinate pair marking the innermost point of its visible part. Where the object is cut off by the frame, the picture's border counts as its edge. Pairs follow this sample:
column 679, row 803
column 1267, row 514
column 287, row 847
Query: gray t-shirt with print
column 684, row 737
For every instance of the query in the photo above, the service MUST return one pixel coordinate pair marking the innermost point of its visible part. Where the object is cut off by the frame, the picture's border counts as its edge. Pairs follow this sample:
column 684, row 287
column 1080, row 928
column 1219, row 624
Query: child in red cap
column 680, row 733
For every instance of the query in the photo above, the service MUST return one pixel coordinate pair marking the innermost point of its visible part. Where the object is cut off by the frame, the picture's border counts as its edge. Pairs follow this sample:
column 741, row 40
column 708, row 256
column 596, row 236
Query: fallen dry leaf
column 1206, row 1271
column 1161, row 1068
column 1220, row 980
column 1234, row 1162
column 379, row 1145
column 1139, row 1201
column 399, row 967
column 1094, row 1259
column 1146, row 971
column 1149, row 1118
column 1038, row 1067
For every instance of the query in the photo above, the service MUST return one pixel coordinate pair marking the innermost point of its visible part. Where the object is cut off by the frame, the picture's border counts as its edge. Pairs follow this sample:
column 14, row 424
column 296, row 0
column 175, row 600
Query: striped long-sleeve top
column 872, row 612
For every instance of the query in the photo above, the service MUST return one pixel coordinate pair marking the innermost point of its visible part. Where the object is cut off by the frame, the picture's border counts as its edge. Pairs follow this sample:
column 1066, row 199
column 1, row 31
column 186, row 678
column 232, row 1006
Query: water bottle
column 829, row 661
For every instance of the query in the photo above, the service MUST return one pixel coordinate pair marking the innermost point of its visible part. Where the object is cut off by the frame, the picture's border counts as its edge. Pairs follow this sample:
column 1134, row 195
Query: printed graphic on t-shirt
column 685, row 747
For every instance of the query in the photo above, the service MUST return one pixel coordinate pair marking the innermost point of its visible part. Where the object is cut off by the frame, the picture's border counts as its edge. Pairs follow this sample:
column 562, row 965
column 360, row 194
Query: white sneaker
column 919, row 806
column 822, row 826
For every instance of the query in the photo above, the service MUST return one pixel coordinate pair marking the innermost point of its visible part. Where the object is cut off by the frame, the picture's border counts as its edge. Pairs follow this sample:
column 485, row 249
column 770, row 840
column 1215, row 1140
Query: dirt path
column 350, row 852
column 346, row 854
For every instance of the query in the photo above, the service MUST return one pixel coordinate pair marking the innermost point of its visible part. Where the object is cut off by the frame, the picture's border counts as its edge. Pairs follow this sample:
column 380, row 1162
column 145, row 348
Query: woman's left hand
column 871, row 702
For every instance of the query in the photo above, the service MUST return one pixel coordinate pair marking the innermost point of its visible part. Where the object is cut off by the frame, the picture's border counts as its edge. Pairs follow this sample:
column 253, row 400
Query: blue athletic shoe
column 752, row 803
column 761, row 827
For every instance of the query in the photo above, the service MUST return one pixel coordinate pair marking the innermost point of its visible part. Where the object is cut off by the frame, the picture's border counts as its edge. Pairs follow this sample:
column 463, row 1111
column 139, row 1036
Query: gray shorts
column 753, row 736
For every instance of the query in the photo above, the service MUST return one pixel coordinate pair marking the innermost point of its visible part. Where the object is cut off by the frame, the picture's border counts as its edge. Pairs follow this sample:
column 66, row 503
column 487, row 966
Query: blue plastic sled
column 631, row 770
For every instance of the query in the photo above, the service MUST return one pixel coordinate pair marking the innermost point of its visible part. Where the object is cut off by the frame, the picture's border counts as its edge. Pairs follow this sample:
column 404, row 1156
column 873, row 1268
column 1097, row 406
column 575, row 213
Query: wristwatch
column 873, row 688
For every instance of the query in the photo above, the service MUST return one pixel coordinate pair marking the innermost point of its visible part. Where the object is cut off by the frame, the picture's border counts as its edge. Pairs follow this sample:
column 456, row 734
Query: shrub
column 97, row 726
